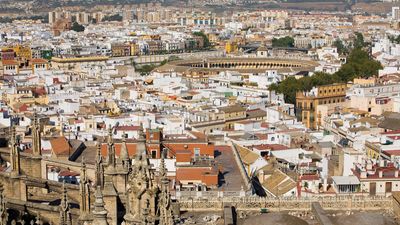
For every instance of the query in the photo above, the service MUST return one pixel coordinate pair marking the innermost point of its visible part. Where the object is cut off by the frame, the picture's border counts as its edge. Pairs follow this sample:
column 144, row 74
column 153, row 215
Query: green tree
column 115, row 17
column 283, row 42
column 207, row 43
column 359, row 64
column 394, row 39
column 340, row 46
column 77, row 27
column 359, row 40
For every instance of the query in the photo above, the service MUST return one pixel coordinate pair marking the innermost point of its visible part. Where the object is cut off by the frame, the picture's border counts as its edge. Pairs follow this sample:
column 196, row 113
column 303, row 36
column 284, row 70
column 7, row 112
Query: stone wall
column 279, row 204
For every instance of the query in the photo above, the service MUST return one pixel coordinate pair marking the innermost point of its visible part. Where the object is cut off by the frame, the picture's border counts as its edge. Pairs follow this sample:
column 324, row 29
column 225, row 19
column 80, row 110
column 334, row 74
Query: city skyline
column 199, row 112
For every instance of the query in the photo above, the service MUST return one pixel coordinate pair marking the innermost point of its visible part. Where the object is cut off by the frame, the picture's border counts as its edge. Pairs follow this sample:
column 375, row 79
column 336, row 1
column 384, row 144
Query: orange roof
column 39, row 91
column 128, row 128
column 183, row 156
column 196, row 173
column 10, row 62
column 199, row 135
column 39, row 61
column 60, row 146
column 130, row 146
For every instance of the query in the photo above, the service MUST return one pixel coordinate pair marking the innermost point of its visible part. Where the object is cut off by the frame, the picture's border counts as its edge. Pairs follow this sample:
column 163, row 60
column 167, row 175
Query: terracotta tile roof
column 60, row 146
column 127, row 128
column 10, row 62
column 255, row 113
column 39, row 91
column 39, row 61
column 248, row 157
column 130, row 146
column 196, row 174
column 309, row 177
column 271, row 147
column 392, row 152
column 232, row 109
column 264, row 125
column 279, row 183
column 198, row 135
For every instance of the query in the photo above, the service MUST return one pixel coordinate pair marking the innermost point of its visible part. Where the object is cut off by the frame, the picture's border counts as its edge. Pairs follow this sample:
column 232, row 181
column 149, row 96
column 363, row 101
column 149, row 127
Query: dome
column 273, row 219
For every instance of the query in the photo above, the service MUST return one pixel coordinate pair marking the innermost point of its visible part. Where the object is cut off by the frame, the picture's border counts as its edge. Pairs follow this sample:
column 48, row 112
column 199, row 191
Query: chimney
column 261, row 176
column 363, row 174
column 396, row 173
column 380, row 173
column 369, row 165
column 325, row 185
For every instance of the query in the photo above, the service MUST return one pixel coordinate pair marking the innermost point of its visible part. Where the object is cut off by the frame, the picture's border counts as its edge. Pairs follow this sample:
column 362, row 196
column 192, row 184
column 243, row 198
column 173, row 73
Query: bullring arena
column 243, row 65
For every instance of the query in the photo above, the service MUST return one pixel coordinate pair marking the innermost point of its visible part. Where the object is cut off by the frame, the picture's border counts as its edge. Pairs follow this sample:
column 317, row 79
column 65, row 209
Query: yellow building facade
column 23, row 51
column 231, row 47
column 306, row 103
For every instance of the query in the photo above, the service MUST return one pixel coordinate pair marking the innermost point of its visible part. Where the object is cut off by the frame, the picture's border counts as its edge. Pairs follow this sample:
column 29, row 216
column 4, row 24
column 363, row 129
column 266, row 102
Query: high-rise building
column 52, row 17
column 82, row 18
column 396, row 13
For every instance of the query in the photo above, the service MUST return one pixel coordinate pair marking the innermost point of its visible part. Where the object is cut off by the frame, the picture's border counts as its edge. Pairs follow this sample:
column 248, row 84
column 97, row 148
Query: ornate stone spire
column 65, row 214
column 83, row 173
column 146, row 219
column 38, row 220
column 99, row 169
column 36, row 136
column 110, row 150
column 84, row 193
column 164, row 201
column 163, row 170
column 3, row 209
column 14, row 153
column 124, row 161
column 99, row 212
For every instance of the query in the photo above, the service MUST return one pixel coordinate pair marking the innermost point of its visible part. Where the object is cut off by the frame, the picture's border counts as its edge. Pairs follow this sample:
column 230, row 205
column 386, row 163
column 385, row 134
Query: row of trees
column 115, row 17
column 5, row 19
column 358, row 64
column 284, row 42
column 77, row 27
column 395, row 39
column 358, row 42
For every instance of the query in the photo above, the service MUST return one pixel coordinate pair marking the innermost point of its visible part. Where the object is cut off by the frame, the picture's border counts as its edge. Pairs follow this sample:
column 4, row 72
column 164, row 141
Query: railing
column 277, row 204
column 208, row 194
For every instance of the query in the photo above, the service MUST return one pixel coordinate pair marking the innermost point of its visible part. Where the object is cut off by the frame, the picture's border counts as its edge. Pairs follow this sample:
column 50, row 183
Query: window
column 153, row 154
column 196, row 152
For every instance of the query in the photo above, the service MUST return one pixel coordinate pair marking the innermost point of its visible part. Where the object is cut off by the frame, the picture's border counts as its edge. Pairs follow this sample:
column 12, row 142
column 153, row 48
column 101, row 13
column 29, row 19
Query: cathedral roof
column 274, row 219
